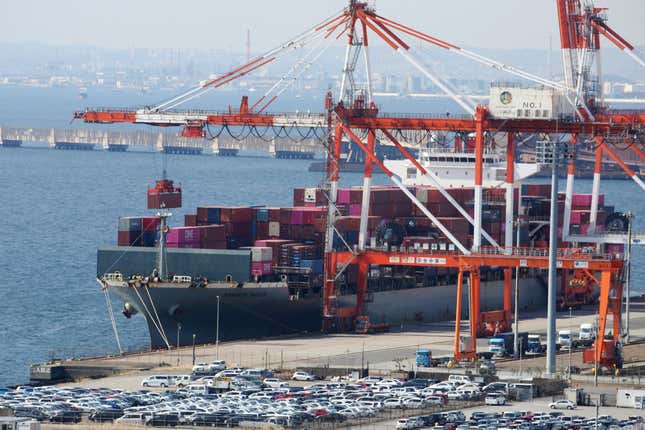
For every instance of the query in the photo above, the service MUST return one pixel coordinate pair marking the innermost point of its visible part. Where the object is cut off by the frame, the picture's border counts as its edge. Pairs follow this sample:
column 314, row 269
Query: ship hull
column 257, row 312
column 244, row 313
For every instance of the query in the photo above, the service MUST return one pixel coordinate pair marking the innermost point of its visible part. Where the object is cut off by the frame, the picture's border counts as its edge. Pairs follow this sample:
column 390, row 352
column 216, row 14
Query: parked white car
column 157, row 381
column 495, row 399
column 303, row 376
column 562, row 404
column 201, row 367
column 274, row 383
column 409, row 423
column 217, row 365
column 181, row 380
column 369, row 380
column 413, row 402
column 136, row 418
column 389, row 382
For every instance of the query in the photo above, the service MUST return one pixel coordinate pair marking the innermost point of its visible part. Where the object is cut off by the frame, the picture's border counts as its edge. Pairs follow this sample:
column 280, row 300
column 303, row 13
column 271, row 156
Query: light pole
column 570, row 341
column 628, row 256
column 516, row 318
column 178, row 331
column 217, row 333
column 194, row 336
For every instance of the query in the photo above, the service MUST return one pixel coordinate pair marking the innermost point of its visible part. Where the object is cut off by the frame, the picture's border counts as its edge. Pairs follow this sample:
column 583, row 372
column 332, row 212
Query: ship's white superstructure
column 457, row 169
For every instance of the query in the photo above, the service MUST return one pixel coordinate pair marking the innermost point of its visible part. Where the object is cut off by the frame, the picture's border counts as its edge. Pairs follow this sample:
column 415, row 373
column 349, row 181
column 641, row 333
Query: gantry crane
column 581, row 24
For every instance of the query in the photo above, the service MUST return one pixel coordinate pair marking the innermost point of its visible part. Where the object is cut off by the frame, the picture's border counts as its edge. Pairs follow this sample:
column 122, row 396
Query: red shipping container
column 214, row 245
column 213, row 233
column 261, row 230
column 237, row 214
column 238, row 229
column 129, row 238
column 150, row 223
column 355, row 195
column 190, row 220
column 274, row 214
column 285, row 216
column 298, row 196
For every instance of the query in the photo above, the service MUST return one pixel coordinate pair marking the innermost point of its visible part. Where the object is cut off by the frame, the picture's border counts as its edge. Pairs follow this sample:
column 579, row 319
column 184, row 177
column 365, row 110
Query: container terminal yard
column 456, row 276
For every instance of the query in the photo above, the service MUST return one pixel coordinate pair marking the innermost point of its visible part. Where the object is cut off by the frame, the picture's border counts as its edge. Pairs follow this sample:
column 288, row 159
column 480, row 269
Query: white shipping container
column 261, row 253
column 630, row 398
column 310, row 195
column 274, row 229
column 515, row 102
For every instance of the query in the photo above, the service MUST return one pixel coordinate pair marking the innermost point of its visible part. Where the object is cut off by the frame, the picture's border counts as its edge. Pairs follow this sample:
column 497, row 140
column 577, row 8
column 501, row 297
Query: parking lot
column 217, row 396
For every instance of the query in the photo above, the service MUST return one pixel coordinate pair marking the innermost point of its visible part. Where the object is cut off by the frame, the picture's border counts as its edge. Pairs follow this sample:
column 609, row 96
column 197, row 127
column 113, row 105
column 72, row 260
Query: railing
column 587, row 253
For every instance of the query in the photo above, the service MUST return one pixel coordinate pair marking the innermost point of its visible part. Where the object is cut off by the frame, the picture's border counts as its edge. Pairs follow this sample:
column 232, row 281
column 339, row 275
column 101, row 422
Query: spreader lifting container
column 164, row 195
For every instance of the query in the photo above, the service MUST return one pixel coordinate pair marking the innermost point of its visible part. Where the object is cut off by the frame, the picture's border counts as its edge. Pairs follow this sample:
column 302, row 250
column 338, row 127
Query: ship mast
column 161, row 255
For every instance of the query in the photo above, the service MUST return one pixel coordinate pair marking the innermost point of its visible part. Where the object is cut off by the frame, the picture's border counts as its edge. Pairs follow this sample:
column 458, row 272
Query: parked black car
column 105, row 415
column 163, row 420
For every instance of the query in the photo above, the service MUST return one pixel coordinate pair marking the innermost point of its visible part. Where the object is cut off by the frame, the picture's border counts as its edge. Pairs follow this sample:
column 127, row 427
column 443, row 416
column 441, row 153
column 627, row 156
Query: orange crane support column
column 460, row 284
column 603, row 306
column 475, row 306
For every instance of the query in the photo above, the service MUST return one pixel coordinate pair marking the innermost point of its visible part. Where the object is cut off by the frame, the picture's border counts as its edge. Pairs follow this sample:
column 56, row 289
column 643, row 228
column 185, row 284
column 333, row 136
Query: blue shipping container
column 316, row 266
column 262, row 214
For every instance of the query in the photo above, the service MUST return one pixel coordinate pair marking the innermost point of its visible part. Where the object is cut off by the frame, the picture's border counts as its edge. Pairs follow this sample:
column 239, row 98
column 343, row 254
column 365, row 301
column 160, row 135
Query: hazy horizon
column 200, row 24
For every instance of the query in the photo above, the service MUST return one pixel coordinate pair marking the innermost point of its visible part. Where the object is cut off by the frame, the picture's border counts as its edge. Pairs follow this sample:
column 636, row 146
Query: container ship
column 257, row 271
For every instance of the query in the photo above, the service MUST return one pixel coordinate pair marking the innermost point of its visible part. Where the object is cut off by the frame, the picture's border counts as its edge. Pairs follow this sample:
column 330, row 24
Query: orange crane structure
column 589, row 122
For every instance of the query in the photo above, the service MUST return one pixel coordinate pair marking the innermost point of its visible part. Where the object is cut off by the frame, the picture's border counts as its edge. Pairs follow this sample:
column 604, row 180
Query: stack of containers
column 305, row 223
column 212, row 237
column 275, row 245
column 261, row 260
column 260, row 223
column 309, row 197
column 138, row 231
column 130, row 231
column 581, row 213
column 208, row 215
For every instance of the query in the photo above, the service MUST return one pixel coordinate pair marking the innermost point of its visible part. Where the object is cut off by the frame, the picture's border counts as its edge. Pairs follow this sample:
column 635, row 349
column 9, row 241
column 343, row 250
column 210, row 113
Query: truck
column 534, row 345
column 424, row 358
column 586, row 335
column 502, row 344
column 363, row 325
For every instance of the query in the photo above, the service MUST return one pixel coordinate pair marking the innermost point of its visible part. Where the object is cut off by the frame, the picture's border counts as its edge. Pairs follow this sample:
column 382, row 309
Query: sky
column 217, row 24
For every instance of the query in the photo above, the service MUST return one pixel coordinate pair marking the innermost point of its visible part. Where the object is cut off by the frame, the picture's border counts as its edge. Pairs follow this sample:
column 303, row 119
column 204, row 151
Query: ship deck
column 383, row 353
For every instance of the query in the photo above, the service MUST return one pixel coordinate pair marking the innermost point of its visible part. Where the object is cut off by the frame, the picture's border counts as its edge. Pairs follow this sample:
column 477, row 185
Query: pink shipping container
column 260, row 268
column 183, row 235
column 615, row 248
column 585, row 200
column 343, row 197
column 354, row 210
column 297, row 216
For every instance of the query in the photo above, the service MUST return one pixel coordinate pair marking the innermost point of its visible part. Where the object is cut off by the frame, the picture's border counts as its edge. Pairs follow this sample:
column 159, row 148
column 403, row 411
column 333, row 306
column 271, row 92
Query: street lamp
column 570, row 341
column 194, row 336
column 178, row 332
column 217, row 333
